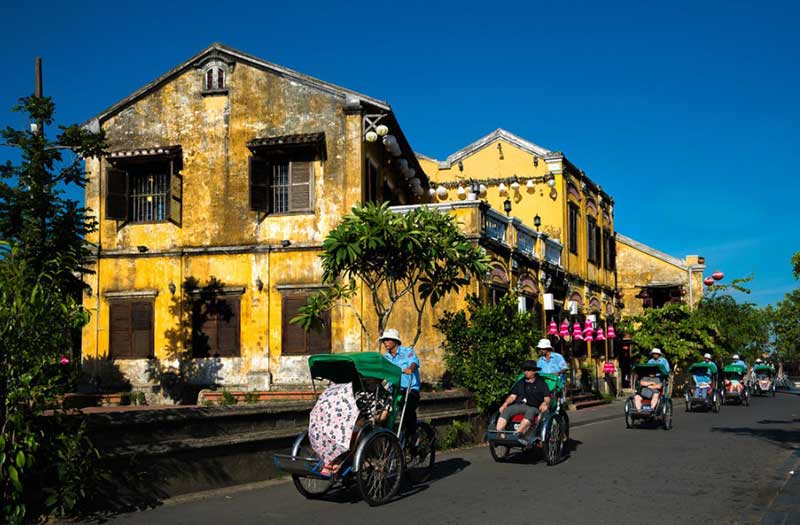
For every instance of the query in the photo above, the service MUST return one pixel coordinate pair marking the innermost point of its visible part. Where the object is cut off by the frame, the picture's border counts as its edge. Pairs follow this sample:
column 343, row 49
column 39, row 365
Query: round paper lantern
column 717, row 275
column 708, row 281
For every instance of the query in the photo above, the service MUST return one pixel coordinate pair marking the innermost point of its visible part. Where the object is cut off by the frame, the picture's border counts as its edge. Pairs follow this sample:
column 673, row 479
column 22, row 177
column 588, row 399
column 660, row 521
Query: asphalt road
column 710, row 468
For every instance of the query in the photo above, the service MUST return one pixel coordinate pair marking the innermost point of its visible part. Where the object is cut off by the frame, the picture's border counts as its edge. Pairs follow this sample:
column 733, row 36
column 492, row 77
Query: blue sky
column 685, row 112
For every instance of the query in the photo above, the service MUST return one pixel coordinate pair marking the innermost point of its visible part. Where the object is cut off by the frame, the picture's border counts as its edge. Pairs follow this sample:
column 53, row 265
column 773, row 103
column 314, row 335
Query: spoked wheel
column 715, row 402
column 554, row 441
column 667, row 414
column 421, row 454
column 628, row 417
column 380, row 468
column 746, row 398
column 773, row 391
column 688, row 405
column 310, row 488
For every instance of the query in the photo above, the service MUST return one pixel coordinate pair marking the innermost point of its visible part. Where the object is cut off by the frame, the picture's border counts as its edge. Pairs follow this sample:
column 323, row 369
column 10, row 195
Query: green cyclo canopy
column 698, row 368
column 349, row 367
column 654, row 368
column 551, row 380
column 762, row 369
column 735, row 369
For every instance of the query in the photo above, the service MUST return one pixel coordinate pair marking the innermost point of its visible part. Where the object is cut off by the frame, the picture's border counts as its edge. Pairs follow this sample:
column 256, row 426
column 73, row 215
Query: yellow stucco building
column 562, row 262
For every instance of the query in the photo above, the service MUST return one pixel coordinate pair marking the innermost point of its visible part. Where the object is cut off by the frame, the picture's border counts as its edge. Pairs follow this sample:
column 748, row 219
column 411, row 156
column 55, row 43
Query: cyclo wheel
column 628, row 417
column 379, row 468
column 554, row 441
column 746, row 399
column 310, row 488
column 421, row 455
column 667, row 414
column 715, row 402
column 499, row 452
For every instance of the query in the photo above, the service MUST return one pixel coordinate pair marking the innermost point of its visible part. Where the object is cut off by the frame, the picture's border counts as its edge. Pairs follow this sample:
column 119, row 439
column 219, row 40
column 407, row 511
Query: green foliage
column 41, row 461
column 738, row 328
column 457, row 434
column 251, row 397
column 784, row 319
column 796, row 265
column 485, row 346
column 228, row 399
column 34, row 214
column 421, row 254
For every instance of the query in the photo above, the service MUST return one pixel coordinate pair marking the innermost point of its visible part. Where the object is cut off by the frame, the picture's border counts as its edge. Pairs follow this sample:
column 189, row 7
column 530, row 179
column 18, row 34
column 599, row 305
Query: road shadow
column 778, row 422
column 785, row 438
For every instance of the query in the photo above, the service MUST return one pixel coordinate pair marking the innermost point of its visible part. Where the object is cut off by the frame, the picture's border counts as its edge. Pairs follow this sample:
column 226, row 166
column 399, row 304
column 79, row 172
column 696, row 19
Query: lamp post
column 507, row 206
column 537, row 221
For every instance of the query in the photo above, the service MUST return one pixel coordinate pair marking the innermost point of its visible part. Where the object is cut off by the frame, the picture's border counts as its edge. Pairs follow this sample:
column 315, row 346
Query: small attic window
column 214, row 78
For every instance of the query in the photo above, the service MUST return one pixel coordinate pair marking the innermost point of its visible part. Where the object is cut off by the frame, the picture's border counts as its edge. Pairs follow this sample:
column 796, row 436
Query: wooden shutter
column 175, row 193
column 300, row 186
column 141, row 330
column 319, row 341
column 116, row 194
column 228, row 323
column 119, row 330
column 293, row 338
column 204, row 332
column 260, row 174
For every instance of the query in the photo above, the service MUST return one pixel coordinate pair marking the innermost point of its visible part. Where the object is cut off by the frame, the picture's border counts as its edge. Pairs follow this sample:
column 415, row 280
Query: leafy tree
column 485, row 346
column 420, row 254
column 682, row 336
column 34, row 214
column 738, row 328
column 796, row 265
column 784, row 321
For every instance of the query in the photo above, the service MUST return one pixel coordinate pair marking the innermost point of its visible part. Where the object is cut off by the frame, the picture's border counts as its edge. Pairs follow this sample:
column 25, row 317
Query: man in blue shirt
column 702, row 380
column 406, row 359
column 550, row 362
column 737, row 361
column 658, row 359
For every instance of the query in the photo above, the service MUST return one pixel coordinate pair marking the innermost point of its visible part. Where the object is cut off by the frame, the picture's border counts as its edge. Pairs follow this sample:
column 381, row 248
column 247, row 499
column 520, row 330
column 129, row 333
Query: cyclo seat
column 517, row 419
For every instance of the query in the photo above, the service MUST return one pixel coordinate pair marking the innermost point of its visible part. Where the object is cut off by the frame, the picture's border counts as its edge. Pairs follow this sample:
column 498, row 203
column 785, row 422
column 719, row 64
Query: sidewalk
column 596, row 414
column 785, row 508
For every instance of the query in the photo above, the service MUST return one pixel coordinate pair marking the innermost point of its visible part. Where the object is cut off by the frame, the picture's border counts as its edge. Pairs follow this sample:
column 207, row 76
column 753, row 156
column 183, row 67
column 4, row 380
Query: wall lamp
column 259, row 284
column 171, row 287
column 507, row 206
column 535, row 161
column 285, row 242
column 537, row 221
column 141, row 248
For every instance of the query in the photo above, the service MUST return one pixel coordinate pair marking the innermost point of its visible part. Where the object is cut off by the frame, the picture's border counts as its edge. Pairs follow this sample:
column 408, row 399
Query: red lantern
column 708, row 281
column 717, row 275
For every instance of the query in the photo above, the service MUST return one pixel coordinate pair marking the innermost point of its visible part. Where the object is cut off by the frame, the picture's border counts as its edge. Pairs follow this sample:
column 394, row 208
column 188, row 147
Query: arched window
column 214, row 78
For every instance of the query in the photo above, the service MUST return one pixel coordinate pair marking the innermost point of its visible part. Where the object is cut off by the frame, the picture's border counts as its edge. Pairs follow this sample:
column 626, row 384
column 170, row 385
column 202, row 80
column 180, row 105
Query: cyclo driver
column 529, row 396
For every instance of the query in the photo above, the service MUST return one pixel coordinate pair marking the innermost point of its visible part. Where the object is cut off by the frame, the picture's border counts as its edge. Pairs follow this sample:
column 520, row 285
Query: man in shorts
column 651, row 389
column 529, row 396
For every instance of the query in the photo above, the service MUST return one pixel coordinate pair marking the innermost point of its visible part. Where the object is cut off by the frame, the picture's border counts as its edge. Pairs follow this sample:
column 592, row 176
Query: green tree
column 420, row 254
column 796, row 265
column 34, row 214
column 784, row 321
column 485, row 346
column 682, row 337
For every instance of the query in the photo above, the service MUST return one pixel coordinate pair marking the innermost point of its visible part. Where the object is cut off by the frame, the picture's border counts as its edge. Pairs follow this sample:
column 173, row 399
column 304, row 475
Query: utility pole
column 37, row 92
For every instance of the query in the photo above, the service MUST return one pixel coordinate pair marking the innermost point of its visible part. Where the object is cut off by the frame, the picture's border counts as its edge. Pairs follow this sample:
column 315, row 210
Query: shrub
column 458, row 434
column 485, row 346
column 228, row 399
column 251, row 397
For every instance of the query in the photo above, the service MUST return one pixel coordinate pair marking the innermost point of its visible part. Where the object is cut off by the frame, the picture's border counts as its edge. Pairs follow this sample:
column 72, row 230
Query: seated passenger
column 529, row 396
column 733, row 384
column 651, row 386
column 702, row 382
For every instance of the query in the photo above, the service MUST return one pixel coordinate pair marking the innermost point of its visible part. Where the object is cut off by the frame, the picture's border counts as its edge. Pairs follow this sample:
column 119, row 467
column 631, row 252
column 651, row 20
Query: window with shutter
column 260, row 174
column 116, row 194
column 131, row 331
column 215, row 327
column 300, row 186
column 175, row 193
column 573, row 228
column 295, row 340
column 591, row 232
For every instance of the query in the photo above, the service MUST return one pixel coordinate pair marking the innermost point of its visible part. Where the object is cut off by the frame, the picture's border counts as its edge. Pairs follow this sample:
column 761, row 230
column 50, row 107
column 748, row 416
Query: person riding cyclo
column 529, row 396
column 652, row 384
column 551, row 362
column 732, row 384
column 702, row 378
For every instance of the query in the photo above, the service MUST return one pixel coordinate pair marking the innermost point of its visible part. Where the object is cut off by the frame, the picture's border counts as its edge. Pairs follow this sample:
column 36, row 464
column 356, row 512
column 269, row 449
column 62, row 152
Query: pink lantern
column 553, row 328
column 576, row 332
column 717, row 275
column 564, row 332
column 588, row 337
column 588, row 325
column 600, row 335
column 611, row 333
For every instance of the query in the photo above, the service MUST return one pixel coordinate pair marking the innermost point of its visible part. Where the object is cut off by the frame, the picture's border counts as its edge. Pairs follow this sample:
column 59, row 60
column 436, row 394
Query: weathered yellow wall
column 638, row 268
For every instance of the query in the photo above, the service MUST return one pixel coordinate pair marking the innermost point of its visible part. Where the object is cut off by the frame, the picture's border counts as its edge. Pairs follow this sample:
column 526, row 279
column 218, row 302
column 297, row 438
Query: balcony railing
column 526, row 242
column 552, row 251
column 495, row 226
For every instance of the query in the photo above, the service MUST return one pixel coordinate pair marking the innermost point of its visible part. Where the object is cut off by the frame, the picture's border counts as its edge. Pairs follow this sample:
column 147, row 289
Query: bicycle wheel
column 420, row 455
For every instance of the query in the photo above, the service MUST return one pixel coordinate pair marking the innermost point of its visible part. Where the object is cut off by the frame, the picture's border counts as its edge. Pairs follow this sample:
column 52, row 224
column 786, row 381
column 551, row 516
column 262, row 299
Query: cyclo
column 662, row 412
column 552, row 434
column 380, row 455
column 736, row 375
column 713, row 398
column 765, row 380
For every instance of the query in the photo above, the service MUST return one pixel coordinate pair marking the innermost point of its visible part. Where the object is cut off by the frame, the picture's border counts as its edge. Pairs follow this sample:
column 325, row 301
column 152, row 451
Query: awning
column 286, row 144
column 154, row 151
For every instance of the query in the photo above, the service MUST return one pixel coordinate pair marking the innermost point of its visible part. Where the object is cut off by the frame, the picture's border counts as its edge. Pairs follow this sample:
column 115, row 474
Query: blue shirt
column 554, row 366
column 660, row 361
column 740, row 363
column 701, row 378
column 403, row 358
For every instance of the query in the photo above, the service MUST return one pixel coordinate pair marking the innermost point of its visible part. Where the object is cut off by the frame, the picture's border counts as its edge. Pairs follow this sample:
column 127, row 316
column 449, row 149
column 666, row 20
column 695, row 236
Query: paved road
column 711, row 468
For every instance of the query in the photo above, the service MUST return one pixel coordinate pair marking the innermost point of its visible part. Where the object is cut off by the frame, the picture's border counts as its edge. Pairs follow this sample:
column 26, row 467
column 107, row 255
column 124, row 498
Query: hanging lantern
column 529, row 184
column 708, row 281
column 432, row 191
column 717, row 275
column 553, row 330
column 611, row 333
column 502, row 188
column 588, row 325
column 600, row 335
column 461, row 191
column 515, row 186
column 441, row 191
column 576, row 332
column 482, row 189
column 564, row 332
column 588, row 337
